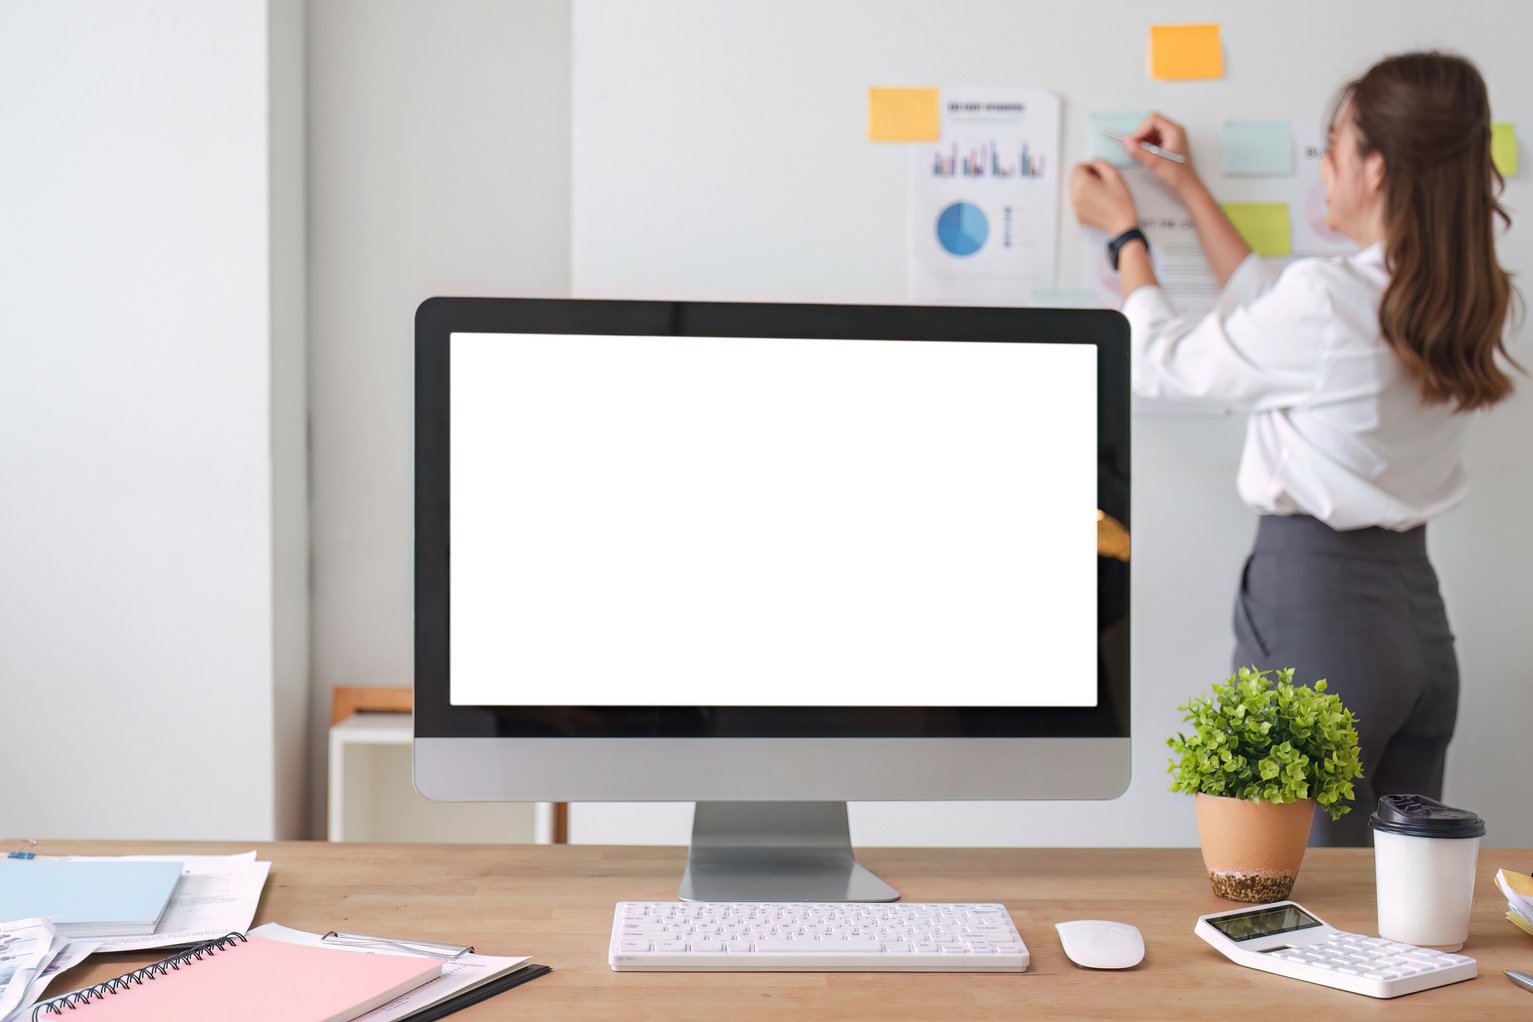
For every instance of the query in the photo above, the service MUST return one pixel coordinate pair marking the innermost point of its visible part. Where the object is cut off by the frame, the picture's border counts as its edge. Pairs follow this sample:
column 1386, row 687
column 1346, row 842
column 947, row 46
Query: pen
column 1522, row 979
column 1148, row 147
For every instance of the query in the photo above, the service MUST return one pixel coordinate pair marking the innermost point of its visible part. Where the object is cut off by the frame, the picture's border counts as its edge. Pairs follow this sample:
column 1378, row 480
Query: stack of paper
column 88, row 898
column 31, row 954
column 214, row 895
column 1518, row 888
column 466, row 977
column 239, row 980
column 75, row 905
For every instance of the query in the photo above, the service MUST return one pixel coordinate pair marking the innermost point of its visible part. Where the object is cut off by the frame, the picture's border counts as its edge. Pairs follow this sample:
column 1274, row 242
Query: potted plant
column 1262, row 752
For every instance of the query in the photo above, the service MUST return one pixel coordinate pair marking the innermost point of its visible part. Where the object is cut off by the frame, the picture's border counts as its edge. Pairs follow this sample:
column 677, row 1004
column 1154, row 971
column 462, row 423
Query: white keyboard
column 739, row 936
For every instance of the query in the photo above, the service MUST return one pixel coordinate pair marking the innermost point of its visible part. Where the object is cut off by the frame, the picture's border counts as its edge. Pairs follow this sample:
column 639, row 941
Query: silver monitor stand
column 776, row 851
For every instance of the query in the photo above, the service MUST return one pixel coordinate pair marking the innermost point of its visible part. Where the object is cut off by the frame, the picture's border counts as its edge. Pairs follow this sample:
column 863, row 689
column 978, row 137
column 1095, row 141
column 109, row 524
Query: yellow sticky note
column 1503, row 148
column 1264, row 225
column 904, row 115
column 1186, row 51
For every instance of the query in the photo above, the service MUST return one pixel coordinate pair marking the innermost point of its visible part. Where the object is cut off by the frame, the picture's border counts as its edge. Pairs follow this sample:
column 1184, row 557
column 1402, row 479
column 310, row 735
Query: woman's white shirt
column 1337, row 428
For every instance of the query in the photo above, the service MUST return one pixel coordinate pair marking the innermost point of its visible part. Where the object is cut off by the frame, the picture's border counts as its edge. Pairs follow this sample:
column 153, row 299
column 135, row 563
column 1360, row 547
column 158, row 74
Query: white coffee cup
column 1425, row 856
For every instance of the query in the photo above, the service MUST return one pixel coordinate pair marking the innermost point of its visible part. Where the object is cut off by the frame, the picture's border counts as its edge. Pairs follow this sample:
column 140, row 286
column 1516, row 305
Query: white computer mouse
column 1100, row 944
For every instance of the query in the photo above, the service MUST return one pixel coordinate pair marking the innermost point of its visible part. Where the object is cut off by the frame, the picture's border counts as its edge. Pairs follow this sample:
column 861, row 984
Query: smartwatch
column 1116, row 245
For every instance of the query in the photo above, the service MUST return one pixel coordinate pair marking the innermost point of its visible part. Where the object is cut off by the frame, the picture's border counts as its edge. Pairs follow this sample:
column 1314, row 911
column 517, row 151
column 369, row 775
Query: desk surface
column 554, row 902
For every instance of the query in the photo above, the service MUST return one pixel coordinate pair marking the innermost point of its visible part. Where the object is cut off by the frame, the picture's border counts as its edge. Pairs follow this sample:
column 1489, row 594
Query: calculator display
column 1264, row 922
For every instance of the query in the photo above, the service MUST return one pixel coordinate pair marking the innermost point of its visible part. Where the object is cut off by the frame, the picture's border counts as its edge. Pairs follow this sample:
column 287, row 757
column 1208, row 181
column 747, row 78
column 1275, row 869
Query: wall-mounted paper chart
column 1305, row 193
column 983, row 212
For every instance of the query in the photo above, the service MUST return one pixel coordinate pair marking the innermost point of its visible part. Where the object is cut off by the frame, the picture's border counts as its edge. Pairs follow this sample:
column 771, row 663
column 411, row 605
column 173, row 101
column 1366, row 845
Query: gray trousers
column 1362, row 610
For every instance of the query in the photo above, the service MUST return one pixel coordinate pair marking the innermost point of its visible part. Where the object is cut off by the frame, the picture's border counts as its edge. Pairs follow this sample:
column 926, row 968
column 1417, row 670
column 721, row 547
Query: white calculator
column 1285, row 939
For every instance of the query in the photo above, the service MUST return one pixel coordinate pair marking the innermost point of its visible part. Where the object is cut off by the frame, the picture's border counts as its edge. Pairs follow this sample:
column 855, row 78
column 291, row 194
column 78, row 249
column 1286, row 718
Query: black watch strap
column 1116, row 245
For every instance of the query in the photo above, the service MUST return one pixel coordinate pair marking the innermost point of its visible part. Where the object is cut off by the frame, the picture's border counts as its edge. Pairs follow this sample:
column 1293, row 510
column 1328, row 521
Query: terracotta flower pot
column 1252, row 849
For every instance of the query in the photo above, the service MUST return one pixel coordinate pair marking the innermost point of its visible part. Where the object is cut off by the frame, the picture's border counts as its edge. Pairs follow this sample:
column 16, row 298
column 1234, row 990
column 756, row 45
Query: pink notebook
column 254, row 980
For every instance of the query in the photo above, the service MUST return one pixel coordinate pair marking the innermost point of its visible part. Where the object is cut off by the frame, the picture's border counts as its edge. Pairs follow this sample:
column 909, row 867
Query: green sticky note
column 1257, row 147
column 1264, row 225
column 1503, row 148
column 1111, row 149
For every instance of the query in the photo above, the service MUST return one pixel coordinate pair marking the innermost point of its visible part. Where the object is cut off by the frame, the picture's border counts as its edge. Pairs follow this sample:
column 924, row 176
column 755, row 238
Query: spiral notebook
column 239, row 980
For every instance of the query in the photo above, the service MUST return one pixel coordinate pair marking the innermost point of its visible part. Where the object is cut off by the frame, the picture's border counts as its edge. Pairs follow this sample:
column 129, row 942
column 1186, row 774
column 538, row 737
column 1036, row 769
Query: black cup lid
column 1419, row 816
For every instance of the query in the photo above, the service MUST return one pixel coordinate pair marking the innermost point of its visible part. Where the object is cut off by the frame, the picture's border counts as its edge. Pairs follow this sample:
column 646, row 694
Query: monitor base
column 776, row 851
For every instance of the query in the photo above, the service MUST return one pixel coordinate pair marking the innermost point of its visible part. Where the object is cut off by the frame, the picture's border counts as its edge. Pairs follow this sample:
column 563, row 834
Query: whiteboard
column 719, row 152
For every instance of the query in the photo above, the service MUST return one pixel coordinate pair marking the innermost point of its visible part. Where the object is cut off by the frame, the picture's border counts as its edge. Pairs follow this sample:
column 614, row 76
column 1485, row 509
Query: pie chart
column 962, row 228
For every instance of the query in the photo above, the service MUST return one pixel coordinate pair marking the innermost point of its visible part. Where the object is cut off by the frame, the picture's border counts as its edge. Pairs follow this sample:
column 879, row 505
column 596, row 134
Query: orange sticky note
column 1179, row 52
column 904, row 115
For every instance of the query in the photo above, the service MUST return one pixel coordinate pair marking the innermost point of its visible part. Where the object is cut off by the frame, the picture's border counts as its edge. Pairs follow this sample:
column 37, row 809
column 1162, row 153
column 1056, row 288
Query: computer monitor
column 770, row 558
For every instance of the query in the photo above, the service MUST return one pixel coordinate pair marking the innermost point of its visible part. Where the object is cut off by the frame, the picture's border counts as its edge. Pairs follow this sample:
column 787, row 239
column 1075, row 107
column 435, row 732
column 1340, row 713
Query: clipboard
column 423, row 948
column 468, row 997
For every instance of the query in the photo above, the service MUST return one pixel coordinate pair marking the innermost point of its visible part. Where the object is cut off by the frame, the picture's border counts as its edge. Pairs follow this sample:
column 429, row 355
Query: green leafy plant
column 1261, row 738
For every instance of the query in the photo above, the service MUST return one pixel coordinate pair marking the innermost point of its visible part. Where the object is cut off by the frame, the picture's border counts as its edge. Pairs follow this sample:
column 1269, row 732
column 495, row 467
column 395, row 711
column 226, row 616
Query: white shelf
column 373, row 796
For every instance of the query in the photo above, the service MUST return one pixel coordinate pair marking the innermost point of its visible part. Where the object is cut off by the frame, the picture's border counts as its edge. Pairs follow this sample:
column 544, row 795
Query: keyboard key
column 818, row 947
column 633, row 945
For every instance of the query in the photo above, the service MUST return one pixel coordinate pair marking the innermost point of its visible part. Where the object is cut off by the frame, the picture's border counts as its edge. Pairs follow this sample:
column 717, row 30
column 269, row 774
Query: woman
column 1359, row 374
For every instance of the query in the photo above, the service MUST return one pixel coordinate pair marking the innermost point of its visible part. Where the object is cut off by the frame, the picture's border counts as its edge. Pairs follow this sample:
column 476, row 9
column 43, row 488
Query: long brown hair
column 1446, row 307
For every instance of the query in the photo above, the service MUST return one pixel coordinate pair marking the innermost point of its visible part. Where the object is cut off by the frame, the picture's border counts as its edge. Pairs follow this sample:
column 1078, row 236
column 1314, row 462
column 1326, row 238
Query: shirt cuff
column 1145, row 307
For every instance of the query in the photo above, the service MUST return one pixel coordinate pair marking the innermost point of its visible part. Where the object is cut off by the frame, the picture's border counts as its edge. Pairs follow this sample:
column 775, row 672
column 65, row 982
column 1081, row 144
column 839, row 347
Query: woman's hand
column 1170, row 136
column 1101, row 198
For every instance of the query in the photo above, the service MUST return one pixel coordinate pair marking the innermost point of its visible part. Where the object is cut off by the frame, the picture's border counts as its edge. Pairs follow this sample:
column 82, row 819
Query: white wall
column 438, row 142
column 720, row 153
column 150, row 310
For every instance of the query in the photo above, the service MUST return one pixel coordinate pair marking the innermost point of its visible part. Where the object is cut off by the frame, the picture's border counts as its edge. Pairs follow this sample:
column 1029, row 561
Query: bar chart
column 988, row 160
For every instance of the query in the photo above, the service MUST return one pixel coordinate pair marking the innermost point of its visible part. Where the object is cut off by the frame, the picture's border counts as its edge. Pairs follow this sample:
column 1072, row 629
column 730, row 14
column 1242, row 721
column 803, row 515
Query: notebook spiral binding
column 101, row 991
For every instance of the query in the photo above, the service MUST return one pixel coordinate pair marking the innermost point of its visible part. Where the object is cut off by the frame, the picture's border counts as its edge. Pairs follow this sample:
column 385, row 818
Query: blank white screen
column 679, row 521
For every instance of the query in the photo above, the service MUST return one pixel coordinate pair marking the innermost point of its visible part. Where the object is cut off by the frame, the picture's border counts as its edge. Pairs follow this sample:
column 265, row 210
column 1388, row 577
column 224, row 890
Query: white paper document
column 216, row 895
column 26, row 947
column 64, row 954
column 984, row 201
column 1181, row 269
column 464, row 972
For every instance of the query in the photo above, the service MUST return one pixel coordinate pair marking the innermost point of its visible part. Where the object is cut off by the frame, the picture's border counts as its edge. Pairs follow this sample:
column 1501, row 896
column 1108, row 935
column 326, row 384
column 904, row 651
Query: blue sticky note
column 1257, row 147
column 1111, row 149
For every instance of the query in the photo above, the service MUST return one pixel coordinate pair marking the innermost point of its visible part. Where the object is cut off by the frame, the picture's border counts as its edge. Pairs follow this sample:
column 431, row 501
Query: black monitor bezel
column 438, row 318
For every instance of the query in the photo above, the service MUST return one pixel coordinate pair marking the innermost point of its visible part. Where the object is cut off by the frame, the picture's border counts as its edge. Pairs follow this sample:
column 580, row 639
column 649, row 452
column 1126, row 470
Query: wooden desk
column 555, row 903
